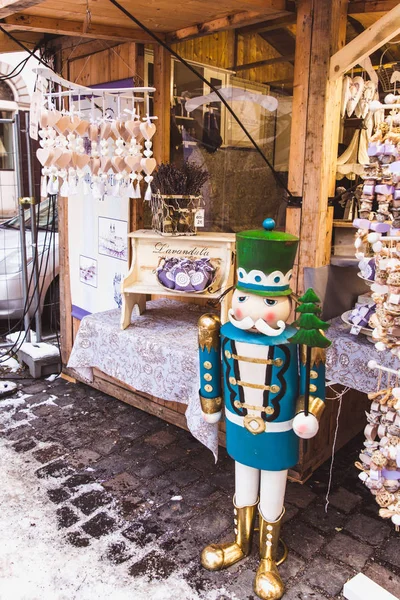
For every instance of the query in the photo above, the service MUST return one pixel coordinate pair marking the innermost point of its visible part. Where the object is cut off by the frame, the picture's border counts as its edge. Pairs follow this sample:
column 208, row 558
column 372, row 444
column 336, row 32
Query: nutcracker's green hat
column 265, row 260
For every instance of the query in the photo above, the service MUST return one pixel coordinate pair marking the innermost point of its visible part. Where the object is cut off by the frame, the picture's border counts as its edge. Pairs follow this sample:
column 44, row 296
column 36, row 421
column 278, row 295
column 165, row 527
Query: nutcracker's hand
column 212, row 417
column 305, row 427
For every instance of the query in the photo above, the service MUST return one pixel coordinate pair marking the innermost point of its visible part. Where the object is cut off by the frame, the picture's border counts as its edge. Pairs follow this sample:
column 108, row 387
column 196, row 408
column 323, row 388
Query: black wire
column 12, row 73
column 26, row 307
column 23, row 62
column 276, row 175
column 30, row 52
column 44, row 274
column 17, row 344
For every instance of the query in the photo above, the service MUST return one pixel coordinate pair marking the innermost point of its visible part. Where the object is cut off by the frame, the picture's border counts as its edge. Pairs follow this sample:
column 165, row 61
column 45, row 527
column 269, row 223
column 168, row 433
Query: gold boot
column 220, row 556
column 268, row 584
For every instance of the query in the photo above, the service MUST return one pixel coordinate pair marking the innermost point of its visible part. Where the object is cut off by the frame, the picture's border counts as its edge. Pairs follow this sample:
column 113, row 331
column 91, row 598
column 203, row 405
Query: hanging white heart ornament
column 43, row 155
column 147, row 130
column 355, row 92
column 133, row 162
column 148, row 165
column 133, row 127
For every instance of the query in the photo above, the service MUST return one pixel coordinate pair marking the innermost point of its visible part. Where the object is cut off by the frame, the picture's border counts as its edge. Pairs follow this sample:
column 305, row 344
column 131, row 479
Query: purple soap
column 384, row 189
column 368, row 190
column 361, row 223
column 380, row 227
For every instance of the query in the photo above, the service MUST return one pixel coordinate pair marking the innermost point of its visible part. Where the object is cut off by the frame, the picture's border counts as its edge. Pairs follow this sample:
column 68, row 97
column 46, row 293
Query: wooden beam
column 319, row 103
column 282, row 40
column 8, row 45
column 270, row 25
column 370, row 6
column 83, row 49
column 9, row 7
column 381, row 32
column 300, row 98
column 23, row 22
column 279, row 82
column 223, row 23
column 262, row 63
column 162, row 103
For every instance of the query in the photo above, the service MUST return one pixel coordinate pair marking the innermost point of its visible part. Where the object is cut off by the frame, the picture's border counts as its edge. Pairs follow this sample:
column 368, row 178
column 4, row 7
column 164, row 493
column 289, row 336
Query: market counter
column 153, row 364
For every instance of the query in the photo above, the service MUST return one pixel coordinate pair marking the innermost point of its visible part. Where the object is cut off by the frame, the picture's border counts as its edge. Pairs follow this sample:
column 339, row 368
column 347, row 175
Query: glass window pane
column 6, row 143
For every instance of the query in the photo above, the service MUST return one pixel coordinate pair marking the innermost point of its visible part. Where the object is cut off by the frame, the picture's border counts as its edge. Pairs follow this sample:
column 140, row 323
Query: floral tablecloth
column 158, row 354
column 347, row 359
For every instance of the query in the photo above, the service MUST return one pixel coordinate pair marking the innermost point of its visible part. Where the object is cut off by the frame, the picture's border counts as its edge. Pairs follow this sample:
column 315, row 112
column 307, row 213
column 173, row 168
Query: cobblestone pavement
column 110, row 468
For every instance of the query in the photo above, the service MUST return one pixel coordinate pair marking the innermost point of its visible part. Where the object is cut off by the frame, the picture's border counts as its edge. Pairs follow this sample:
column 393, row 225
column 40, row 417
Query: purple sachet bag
column 165, row 273
column 182, row 274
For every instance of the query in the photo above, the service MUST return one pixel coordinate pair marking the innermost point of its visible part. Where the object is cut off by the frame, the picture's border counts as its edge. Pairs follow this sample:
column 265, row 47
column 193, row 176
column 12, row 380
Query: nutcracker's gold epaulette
column 317, row 355
column 209, row 326
column 316, row 406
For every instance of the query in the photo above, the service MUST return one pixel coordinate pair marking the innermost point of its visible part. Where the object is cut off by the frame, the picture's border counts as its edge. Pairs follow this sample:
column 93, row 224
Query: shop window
column 241, row 190
column 6, row 142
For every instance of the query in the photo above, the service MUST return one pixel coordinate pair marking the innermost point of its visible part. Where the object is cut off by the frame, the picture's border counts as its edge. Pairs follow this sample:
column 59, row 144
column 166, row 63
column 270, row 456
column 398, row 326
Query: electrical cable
column 276, row 175
column 28, row 301
column 26, row 307
column 23, row 62
column 17, row 345
column 12, row 73
column 30, row 52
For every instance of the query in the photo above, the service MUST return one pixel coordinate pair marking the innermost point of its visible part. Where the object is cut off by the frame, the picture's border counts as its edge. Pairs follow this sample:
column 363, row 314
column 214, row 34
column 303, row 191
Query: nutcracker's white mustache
column 260, row 325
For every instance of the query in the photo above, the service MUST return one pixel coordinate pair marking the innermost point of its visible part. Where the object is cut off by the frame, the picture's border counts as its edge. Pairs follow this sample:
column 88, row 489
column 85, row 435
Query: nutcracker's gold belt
column 257, row 425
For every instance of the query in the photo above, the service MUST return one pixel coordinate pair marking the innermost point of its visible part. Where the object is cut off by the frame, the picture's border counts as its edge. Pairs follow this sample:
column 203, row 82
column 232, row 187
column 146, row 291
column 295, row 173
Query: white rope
column 338, row 396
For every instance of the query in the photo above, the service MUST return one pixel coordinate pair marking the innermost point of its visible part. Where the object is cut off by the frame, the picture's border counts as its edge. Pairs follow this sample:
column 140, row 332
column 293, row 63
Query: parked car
column 11, row 294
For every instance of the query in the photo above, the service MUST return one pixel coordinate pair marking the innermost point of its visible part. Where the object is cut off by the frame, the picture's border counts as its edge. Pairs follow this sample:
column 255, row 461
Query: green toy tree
column 309, row 333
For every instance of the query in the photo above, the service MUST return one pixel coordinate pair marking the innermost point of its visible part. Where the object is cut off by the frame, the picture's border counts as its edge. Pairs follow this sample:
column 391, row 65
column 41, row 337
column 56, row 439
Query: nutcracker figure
column 274, row 390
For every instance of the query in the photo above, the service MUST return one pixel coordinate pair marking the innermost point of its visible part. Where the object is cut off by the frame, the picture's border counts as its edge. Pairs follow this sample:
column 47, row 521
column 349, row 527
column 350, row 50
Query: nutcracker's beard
column 261, row 326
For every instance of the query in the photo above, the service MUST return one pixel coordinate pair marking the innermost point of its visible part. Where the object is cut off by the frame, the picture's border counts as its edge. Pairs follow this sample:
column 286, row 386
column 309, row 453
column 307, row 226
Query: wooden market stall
column 299, row 49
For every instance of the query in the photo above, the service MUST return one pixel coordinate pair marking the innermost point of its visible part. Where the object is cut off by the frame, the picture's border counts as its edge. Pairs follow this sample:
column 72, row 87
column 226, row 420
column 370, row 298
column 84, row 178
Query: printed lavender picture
column 113, row 238
column 117, row 289
column 88, row 270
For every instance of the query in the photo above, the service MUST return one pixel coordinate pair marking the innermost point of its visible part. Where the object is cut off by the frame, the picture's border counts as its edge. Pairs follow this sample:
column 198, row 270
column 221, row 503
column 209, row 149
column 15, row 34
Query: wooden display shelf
column 150, row 248
column 137, row 288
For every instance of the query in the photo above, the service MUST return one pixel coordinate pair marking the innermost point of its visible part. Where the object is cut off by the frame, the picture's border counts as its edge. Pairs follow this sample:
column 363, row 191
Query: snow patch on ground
column 52, row 377
column 18, row 336
column 37, row 350
column 10, row 363
column 37, row 564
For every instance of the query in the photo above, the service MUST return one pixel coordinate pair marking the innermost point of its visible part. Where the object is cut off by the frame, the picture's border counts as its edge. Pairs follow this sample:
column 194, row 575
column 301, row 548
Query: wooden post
column 66, row 324
column 300, row 97
column 313, row 158
column 162, row 103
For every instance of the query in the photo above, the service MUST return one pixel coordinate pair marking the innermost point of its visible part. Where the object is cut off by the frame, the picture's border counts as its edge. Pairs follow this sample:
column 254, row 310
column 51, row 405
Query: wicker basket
column 174, row 215
column 385, row 75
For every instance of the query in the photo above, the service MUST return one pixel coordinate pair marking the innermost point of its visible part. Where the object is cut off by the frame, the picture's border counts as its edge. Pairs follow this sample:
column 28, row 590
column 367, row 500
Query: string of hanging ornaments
column 98, row 142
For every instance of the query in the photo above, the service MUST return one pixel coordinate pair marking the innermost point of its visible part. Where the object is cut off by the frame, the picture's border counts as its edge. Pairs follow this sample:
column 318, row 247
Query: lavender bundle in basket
column 184, row 275
column 186, row 180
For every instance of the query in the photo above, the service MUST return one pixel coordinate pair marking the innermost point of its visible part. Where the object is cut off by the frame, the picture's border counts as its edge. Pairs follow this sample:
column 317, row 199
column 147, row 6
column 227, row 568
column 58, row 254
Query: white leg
column 247, row 483
column 272, row 494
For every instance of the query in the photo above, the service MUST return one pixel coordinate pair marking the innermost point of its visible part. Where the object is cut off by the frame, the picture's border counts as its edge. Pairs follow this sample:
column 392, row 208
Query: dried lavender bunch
column 184, row 181
column 196, row 177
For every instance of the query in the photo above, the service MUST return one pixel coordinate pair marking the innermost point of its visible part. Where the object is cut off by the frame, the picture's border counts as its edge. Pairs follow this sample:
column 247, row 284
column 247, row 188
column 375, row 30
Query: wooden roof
column 175, row 20
column 178, row 18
